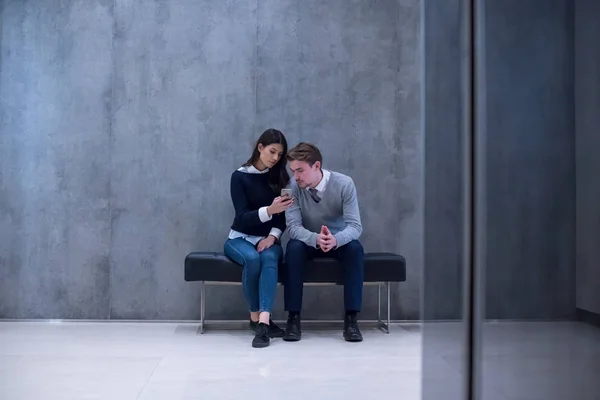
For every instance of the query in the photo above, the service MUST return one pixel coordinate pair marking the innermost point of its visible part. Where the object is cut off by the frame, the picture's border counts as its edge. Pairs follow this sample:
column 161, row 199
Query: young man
column 323, row 221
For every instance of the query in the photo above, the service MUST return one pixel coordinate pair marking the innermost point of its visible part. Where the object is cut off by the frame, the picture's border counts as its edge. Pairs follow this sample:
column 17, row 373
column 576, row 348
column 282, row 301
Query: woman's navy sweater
column 250, row 192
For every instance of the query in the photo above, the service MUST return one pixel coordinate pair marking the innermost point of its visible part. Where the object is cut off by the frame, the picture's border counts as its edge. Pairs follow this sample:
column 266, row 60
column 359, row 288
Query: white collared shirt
column 323, row 184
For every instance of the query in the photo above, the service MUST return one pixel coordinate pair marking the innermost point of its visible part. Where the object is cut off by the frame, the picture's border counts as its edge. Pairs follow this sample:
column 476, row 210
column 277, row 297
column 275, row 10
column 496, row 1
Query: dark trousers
column 350, row 256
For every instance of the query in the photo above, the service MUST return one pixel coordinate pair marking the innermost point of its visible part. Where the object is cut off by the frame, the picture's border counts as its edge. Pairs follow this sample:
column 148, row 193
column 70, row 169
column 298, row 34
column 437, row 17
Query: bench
column 379, row 269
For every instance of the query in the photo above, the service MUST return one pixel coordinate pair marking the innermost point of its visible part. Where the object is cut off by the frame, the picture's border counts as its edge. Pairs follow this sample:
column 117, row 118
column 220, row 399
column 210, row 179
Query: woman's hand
column 279, row 205
column 265, row 243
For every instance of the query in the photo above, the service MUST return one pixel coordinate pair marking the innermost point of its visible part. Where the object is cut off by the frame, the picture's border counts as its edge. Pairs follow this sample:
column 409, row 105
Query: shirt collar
column 323, row 184
column 251, row 169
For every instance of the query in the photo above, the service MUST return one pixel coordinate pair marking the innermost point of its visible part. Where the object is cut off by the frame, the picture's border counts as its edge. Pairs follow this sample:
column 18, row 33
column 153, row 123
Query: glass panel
column 542, row 128
column 443, row 328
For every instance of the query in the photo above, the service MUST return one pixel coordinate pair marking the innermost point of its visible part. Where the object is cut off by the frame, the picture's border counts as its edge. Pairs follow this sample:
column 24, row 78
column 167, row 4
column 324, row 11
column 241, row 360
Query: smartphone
column 286, row 192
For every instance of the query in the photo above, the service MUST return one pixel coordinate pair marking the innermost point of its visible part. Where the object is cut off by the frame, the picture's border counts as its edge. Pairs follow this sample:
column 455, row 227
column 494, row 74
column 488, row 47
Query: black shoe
column 293, row 332
column 262, row 337
column 274, row 330
column 351, row 331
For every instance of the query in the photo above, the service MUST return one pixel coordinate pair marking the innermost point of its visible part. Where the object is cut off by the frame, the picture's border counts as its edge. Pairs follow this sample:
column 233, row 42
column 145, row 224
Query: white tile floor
column 75, row 360
column 78, row 360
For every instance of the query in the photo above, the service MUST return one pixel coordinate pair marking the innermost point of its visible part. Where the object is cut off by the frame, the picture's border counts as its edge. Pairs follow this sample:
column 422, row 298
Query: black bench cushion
column 216, row 267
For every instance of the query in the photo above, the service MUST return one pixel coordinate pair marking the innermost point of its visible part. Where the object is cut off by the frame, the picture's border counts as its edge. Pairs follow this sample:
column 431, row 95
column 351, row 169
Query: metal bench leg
column 202, row 305
column 379, row 305
column 389, row 297
column 382, row 325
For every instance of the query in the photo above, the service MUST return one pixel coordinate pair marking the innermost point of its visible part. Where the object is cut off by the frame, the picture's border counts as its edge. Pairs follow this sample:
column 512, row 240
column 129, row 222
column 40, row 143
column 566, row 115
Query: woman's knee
column 252, row 261
column 243, row 253
column 272, row 255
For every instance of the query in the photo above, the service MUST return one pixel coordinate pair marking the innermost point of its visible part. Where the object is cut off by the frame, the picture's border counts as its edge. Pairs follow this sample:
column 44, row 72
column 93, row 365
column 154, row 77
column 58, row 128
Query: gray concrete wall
column 587, row 105
column 122, row 121
column 55, row 193
column 155, row 103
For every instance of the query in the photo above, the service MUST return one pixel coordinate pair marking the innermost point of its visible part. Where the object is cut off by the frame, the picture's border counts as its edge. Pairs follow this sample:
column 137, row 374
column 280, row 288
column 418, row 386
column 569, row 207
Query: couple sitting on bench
column 320, row 210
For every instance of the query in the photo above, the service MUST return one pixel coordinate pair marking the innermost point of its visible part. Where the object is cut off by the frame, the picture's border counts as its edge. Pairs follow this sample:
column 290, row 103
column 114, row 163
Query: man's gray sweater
column 337, row 210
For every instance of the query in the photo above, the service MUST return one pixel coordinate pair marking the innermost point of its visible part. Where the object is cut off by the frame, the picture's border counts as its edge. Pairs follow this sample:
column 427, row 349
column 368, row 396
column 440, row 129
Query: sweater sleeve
column 295, row 227
column 278, row 225
column 351, row 214
column 244, row 216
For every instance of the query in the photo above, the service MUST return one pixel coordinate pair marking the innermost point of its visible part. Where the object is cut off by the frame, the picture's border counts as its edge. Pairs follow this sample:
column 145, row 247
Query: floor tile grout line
column 150, row 377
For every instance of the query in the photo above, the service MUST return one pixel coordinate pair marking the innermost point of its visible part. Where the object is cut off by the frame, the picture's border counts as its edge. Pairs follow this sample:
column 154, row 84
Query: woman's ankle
column 264, row 317
column 254, row 316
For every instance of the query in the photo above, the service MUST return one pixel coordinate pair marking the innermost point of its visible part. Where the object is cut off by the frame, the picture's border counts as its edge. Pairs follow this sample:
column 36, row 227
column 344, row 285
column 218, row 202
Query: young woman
column 259, row 221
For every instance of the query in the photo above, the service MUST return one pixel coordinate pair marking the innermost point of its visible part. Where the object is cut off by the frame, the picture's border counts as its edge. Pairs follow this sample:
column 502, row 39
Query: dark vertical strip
column 474, row 162
column 571, row 60
column 468, row 190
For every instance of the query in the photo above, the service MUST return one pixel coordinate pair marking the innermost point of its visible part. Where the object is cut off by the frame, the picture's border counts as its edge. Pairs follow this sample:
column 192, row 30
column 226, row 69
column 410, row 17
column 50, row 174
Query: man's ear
column 317, row 165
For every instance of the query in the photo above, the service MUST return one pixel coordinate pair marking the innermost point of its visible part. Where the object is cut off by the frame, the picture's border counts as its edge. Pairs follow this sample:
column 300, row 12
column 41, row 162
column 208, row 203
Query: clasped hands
column 326, row 241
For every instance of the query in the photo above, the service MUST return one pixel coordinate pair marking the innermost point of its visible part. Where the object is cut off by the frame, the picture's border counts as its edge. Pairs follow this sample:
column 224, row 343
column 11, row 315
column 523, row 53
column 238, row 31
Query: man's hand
column 326, row 240
column 265, row 243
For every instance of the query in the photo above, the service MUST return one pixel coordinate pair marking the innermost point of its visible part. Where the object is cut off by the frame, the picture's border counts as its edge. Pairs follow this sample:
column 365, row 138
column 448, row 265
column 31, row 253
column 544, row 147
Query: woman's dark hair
column 278, row 175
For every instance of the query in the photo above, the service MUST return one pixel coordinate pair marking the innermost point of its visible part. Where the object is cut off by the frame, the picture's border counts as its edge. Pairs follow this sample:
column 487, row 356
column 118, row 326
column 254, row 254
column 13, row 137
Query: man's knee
column 295, row 254
column 355, row 248
column 295, row 248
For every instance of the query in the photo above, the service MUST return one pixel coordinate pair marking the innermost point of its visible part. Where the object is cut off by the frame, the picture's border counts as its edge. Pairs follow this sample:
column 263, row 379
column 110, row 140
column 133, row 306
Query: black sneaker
column 274, row 330
column 293, row 331
column 351, row 331
column 262, row 337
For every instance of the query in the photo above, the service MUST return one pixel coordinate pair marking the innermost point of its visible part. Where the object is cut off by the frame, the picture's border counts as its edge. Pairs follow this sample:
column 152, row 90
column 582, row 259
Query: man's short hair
column 305, row 152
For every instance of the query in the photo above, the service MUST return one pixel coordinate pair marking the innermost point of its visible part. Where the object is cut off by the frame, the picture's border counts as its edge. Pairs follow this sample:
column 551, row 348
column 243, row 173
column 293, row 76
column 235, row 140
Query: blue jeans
column 259, row 272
